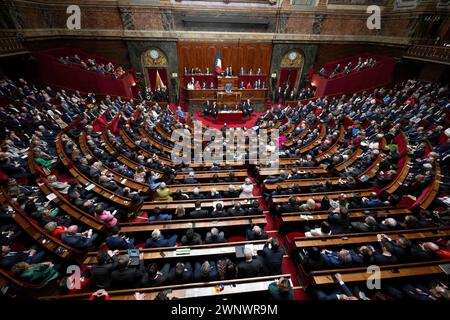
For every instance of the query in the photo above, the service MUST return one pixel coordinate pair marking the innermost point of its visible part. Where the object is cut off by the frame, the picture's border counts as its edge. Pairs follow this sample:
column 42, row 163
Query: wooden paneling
column 192, row 54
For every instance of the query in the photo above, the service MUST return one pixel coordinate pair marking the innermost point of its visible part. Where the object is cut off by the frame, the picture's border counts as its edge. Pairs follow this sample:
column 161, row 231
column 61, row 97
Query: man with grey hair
column 191, row 178
column 215, row 236
column 157, row 240
column 205, row 272
column 256, row 233
column 250, row 267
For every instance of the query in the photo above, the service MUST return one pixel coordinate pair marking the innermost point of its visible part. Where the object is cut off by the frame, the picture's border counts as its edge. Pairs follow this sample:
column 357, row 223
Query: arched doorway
column 291, row 68
column 155, row 65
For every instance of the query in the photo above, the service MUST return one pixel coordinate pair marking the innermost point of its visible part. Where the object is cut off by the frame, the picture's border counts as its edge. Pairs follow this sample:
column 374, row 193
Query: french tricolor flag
column 218, row 63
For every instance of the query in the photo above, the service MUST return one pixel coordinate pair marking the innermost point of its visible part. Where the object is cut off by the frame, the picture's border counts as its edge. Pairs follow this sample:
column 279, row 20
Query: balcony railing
column 429, row 53
column 358, row 2
column 10, row 43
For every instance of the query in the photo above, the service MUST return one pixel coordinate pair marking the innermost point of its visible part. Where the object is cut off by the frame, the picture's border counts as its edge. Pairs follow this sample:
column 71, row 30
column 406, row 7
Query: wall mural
column 292, row 59
column 154, row 57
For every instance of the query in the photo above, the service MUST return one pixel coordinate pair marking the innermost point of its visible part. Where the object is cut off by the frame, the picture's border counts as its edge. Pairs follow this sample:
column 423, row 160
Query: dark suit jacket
column 252, row 236
column 199, row 213
column 250, row 269
column 272, row 259
column 117, row 243
column 127, row 278
column 101, row 275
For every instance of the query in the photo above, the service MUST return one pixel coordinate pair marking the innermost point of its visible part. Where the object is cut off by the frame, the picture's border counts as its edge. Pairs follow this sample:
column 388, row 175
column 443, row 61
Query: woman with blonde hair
column 246, row 189
column 180, row 212
column 164, row 193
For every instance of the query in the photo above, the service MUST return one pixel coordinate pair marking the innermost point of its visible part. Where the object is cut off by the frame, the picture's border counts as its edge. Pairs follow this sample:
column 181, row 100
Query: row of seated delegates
column 368, row 63
column 434, row 289
column 92, row 65
column 238, row 209
column 256, row 85
column 159, row 94
column 227, row 72
column 96, row 174
column 114, row 272
column 280, row 289
column 212, row 109
column 195, row 85
column 165, row 194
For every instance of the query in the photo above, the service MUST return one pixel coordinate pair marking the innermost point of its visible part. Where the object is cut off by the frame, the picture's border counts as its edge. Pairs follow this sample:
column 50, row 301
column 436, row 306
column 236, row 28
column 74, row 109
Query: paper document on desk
column 51, row 196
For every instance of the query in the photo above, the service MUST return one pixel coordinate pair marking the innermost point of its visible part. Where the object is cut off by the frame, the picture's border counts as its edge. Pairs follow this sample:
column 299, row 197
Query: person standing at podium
column 214, row 110
column 206, row 108
column 247, row 109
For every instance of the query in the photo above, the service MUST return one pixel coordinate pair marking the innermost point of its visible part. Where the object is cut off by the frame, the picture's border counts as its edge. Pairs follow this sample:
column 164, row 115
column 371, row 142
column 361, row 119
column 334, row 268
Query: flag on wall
column 159, row 82
column 218, row 63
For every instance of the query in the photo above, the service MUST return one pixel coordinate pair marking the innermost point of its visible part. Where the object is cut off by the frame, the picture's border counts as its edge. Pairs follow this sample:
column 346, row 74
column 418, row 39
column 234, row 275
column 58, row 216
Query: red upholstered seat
column 236, row 239
column 290, row 238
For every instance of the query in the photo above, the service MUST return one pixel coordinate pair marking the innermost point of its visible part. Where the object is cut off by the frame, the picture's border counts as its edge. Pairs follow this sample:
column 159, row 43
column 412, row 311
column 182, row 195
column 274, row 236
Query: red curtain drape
column 288, row 75
column 152, row 77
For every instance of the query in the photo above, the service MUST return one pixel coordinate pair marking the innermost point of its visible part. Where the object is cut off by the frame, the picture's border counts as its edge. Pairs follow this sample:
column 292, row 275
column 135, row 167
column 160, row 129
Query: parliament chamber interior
column 225, row 150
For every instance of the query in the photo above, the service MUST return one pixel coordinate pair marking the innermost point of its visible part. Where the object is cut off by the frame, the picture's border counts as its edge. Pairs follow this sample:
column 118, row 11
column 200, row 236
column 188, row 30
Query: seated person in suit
column 80, row 241
column 343, row 293
column 191, row 238
column 236, row 210
column 191, row 178
column 256, row 233
column 281, row 289
column 10, row 258
column 155, row 277
column 126, row 277
column 157, row 240
column 231, row 192
column 324, row 230
column 218, row 211
column 215, row 236
column 198, row 212
column 101, row 272
column 119, row 242
column 158, row 215
column 250, row 267
column 254, row 209
column 181, row 273
column 205, row 272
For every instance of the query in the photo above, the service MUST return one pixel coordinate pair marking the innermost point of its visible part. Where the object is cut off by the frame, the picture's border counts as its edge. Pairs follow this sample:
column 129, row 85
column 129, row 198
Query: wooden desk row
column 87, row 182
column 318, row 196
column 190, row 290
column 363, row 238
column 203, row 223
column 305, row 182
column 119, row 178
column 207, row 251
column 398, row 271
column 306, row 217
column 190, row 204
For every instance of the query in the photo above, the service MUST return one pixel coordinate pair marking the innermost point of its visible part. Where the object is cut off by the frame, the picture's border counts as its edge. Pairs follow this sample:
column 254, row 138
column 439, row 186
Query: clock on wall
column 154, row 54
column 293, row 55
